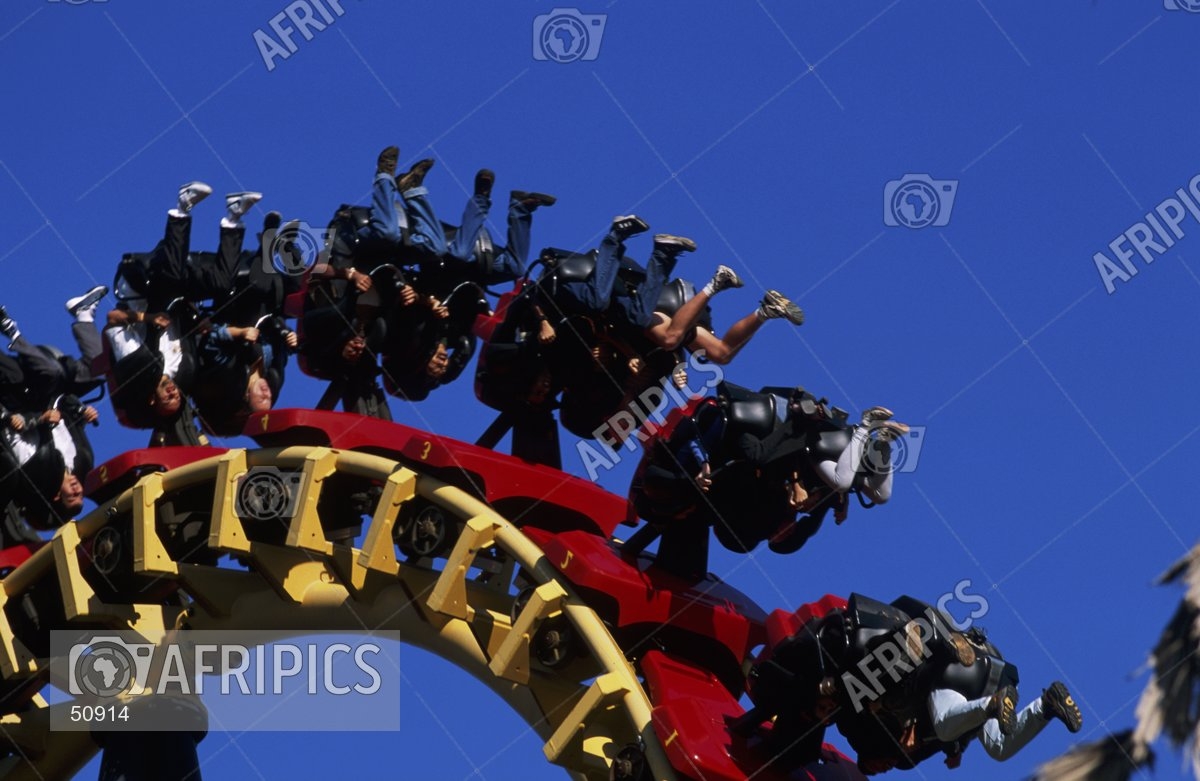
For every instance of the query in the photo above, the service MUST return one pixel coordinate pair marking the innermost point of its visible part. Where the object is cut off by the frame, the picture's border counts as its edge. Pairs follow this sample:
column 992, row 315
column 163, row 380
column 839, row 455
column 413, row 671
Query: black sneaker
column 533, row 200
column 8, row 326
column 1003, row 708
column 415, row 176
column 88, row 299
column 484, row 181
column 386, row 164
column 629, row 225
column 1057, row 703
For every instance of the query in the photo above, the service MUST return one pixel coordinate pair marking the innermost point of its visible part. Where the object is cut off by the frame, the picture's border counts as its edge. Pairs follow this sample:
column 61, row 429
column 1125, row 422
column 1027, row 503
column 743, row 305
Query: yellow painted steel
column 585, row 711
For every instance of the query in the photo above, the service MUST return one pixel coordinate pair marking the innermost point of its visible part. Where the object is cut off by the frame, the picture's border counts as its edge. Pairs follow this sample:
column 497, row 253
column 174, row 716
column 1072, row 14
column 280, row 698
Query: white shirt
column 64, row 443
column 126, row 339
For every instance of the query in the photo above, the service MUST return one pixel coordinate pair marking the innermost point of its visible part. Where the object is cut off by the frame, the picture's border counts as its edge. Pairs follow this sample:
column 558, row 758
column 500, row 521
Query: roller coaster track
column 483, row 595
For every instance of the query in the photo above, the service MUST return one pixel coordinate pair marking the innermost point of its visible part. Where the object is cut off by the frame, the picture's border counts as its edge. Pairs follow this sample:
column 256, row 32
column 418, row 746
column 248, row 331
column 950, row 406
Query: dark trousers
column 172, row 274
column 47, row 377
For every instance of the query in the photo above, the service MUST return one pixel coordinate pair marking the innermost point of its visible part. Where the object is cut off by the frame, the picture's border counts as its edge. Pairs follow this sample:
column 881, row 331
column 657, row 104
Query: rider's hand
column 90, row 415
column 679, row 376
column 161, row 319
column 291, row 340
column 51, row 416
column 704, row 478
column 353, row 349
column 546, row 333
column 361, row 281
column 408, row 296
column 16, row 423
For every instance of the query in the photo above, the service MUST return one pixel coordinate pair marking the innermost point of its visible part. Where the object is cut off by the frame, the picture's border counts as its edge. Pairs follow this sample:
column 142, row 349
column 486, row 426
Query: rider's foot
column 415, row 176
column 723, row 279
column 1003, row 708
column 775, row 305
column 8, row 326
column 238, row 204
column 674, row 244
column 1057, row 703
column 875, row 415
column 532, row 200
column 628, row 225
column 484, row 181
column 891, row 430
column 191, row 194
column 83, row 307
column 388, row 158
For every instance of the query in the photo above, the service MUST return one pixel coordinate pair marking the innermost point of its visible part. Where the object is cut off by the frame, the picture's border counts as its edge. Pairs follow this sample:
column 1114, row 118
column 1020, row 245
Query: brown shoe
column 386, row 164
column 484, row 181
column 415, row 176
column 533, row 200
column 890, row 430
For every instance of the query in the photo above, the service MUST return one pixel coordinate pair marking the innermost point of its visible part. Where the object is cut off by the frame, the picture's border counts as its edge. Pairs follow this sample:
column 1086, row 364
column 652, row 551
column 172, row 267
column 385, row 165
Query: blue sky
column 1057, row 416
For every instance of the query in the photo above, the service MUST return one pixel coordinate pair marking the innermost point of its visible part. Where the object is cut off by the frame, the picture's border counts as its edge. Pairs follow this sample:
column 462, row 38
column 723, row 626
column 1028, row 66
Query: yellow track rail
column 585, row 711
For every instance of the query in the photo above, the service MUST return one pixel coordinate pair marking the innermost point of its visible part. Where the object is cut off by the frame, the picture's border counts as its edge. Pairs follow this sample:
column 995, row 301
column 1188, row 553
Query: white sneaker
column 876, row 415
column 775, row 305
column 191, row 194
column 83, row 308
column 724, row 279
column 240, row 203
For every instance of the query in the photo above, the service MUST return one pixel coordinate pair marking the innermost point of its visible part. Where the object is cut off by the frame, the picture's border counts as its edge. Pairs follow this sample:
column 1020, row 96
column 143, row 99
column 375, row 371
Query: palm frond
column 1113, row 758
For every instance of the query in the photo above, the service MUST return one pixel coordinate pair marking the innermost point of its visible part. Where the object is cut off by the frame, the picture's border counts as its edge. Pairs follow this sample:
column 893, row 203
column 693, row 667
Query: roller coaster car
column 592, row 391
column 663, row 492
column 869, row 668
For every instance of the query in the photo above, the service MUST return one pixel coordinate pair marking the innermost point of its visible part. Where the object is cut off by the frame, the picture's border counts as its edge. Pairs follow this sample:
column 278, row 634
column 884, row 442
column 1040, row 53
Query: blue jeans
column 509, row 262
column 638, row 309
column 594, row 293
column 425, row 232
